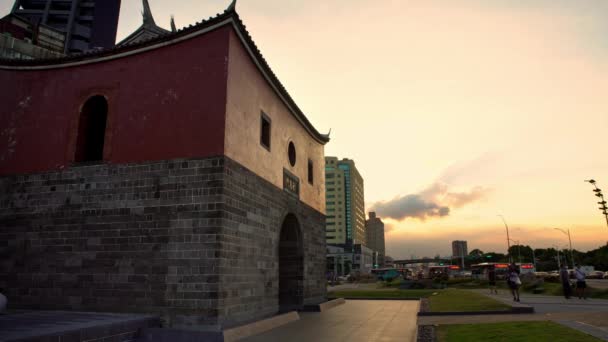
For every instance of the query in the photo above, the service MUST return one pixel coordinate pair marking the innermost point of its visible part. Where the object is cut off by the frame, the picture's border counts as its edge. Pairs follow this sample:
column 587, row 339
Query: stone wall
column 255, row 211
column 193, row 240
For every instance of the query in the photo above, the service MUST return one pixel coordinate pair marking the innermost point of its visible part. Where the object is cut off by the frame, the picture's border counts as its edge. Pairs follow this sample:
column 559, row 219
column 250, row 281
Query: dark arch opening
column 291, row 266
column 92, row 130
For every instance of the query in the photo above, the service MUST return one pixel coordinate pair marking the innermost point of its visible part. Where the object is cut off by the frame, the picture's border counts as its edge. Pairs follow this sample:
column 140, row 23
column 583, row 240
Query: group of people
column 514, row 281
column 581, row 284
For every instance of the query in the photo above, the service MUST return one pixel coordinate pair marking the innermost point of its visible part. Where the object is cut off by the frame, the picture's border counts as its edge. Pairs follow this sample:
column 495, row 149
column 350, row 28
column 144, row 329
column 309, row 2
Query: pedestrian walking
column 581, row 284
column 492, row 280
column 513, row 281
column 565, row 278
column 3, row 302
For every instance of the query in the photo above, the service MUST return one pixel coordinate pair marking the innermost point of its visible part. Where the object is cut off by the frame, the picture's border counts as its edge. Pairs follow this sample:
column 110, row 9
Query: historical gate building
column 174, row 175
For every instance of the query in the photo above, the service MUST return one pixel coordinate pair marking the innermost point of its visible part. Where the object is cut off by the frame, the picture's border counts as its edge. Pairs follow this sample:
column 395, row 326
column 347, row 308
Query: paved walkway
column 589, row 316
column 357, row 320
column 552, row 304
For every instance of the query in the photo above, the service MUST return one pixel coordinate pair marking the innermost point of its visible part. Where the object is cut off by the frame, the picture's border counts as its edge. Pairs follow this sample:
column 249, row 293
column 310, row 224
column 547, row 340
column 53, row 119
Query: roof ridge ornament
column 147, row 14
column 232, row 7
column 173, row 27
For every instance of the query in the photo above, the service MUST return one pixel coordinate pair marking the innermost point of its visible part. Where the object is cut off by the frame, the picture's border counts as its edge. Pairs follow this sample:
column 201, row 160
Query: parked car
column 606, row 275
column 595, row 275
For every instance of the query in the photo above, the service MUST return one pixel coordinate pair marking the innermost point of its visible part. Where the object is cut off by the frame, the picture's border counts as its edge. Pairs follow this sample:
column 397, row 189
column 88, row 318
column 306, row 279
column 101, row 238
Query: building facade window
column 291, row 153
column 311, row 176
column 265, row 127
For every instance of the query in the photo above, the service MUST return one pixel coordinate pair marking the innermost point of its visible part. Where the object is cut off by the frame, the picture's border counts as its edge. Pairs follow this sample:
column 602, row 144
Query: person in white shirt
column 581, row 284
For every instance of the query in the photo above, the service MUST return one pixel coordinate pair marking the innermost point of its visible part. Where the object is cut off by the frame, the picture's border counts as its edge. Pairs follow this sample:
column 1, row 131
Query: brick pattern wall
column 193, row 240
column 255, row 211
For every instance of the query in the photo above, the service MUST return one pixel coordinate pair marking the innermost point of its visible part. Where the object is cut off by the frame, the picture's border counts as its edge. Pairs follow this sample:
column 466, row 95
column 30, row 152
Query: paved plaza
column 357, row 320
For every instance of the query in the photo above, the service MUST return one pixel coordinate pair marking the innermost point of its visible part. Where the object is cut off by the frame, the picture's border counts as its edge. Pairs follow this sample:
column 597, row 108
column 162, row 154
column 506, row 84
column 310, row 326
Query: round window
column 291, row 151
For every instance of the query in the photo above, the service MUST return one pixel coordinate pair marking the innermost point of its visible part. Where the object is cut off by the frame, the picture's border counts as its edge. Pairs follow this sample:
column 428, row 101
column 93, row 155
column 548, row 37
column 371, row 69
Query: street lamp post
column 602, row 202
column 570, row 241
column 508, row 240
column 559, row 266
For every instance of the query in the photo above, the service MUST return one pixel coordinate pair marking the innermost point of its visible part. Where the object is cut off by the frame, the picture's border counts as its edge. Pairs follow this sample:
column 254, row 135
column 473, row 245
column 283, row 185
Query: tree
column 476, row 253
column 520, row 250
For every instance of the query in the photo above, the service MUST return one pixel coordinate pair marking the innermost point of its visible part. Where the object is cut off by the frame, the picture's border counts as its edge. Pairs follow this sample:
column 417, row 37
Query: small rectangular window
column 265, row 131
column 311, row 176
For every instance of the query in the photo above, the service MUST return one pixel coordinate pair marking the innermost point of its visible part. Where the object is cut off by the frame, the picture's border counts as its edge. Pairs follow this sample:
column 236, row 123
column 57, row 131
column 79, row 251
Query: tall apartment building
column 20, row 39
column 459, row 249
column 88, row 24
column 374, row 229
column 345, row 204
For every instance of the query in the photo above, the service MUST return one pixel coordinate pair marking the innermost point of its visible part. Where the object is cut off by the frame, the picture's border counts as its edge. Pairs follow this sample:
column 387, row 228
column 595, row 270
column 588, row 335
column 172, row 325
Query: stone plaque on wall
column 291, row 183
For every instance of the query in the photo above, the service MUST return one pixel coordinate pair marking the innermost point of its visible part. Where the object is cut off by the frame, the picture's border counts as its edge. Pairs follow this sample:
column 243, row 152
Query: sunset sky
column 455, row 111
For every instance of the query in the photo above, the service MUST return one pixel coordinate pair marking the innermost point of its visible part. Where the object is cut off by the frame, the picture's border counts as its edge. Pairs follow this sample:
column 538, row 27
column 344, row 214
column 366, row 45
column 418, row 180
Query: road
column 601, row 284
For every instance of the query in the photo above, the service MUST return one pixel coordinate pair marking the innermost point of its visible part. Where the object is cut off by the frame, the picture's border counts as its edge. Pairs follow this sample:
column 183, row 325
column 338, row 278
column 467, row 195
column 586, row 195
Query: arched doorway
column 92, row 129
column 291, row 265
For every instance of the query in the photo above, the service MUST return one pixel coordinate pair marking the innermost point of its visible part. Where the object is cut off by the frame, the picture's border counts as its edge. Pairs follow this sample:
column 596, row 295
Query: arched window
column 92, row 129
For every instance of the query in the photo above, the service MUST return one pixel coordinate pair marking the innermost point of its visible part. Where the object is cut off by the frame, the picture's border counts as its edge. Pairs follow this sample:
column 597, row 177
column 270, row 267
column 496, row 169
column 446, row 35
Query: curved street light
column 602, row 202
column 508, row 239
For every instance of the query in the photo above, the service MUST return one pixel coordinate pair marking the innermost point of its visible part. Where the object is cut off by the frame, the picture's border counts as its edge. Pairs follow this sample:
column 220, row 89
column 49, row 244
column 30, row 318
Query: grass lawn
column 555, row 289
column 511, row 332
column 382, row 293
column 460, row 300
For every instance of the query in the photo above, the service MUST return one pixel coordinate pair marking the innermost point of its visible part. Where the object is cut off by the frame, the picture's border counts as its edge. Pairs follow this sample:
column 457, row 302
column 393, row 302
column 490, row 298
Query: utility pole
column 570, row 241
column 462, row 256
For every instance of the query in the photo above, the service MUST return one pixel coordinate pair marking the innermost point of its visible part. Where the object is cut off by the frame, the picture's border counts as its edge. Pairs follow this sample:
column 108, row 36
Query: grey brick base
column 195, row 241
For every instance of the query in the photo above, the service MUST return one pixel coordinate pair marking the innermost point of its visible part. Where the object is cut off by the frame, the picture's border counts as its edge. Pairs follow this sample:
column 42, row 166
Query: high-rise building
column 345, row 204
column 459, row 249
column 88, row 24
column 20, row 39
column 374, row 229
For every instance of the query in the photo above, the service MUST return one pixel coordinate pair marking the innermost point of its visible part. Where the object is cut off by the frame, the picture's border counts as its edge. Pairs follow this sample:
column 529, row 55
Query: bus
column 480, row 271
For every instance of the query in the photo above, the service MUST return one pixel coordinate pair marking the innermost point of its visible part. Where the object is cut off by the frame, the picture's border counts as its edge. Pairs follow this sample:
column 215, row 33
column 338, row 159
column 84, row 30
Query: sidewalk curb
column 374, row 298
column 513, row 311
column 322, row 307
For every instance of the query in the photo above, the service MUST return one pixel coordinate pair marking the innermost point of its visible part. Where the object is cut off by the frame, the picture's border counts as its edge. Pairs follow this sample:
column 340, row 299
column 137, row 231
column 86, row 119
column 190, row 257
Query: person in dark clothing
column 492, row 280
column 565, row 278
column 514, row 281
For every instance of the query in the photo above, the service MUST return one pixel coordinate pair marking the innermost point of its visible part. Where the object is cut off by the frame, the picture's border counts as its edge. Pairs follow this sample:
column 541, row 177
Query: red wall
column 166, row 103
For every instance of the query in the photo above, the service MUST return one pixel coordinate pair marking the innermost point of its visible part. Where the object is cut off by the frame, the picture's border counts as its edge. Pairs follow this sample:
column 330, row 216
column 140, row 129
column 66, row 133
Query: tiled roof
column 229, row 13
